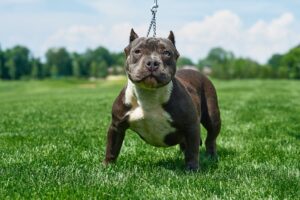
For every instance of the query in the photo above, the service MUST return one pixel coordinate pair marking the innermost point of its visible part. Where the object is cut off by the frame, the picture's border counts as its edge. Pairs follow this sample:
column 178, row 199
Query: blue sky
column 255, row 29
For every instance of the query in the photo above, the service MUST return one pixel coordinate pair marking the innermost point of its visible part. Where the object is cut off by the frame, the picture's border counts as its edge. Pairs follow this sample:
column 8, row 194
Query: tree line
column 225, row 65
column 19, row 63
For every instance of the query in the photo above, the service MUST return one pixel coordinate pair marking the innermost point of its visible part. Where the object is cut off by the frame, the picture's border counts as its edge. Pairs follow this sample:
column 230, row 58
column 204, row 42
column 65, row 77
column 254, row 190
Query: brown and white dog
column 163, row 106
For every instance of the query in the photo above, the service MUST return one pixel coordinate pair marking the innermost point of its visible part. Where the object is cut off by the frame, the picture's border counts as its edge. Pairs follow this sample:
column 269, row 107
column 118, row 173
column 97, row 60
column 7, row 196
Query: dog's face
column 151, row 62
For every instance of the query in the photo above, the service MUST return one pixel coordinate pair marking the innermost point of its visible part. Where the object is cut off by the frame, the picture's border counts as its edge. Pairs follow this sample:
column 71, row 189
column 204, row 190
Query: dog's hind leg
column 211, row 119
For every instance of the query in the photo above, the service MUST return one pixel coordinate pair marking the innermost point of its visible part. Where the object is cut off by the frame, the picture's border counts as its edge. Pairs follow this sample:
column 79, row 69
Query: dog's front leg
column 115, row 137
column 191, row 152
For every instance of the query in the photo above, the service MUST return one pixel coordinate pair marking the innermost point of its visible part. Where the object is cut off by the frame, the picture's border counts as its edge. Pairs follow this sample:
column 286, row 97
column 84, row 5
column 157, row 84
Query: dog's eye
column 137, row 51
column 167, row 53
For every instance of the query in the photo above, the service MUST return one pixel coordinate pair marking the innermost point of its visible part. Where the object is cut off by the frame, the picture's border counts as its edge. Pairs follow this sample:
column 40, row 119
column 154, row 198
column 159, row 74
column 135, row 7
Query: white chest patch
column 147, row 116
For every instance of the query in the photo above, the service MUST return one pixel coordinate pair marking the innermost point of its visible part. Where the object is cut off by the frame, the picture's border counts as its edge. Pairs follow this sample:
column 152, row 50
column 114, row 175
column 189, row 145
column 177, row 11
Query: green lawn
column 53, row 135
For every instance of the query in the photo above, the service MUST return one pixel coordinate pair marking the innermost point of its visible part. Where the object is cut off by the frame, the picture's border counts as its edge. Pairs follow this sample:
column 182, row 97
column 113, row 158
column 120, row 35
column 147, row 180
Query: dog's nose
column 152, row 65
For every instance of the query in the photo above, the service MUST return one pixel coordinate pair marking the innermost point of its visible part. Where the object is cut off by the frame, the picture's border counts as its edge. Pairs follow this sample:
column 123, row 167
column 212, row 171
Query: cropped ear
column 133, row 36
column 177, row 54
column 172, row 37
column 126, row 51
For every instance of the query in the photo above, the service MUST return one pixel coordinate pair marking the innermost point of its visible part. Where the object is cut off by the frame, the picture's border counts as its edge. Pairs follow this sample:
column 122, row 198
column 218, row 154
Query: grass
column 53, row 134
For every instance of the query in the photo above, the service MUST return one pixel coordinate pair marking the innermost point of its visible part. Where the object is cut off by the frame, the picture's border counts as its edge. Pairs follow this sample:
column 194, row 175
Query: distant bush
column 18, row 63
column 225, row 65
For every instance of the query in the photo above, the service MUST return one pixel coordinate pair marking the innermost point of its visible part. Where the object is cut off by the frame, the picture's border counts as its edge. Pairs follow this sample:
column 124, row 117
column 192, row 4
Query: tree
column 221, row 61
column 54, row 71
column 102, row 54
column 99, row 70
column 1, row 63
column 219, row 55
column 275, row 60
column 118, row 59
column 94, row 69
column 59, row 60
column 245, row 68
column 18, row 62
column 103, row 71
column 36, row 69
column 183, row 61
column 282, row 72
column 12, row 70
column 75, row 68
column 292, row 61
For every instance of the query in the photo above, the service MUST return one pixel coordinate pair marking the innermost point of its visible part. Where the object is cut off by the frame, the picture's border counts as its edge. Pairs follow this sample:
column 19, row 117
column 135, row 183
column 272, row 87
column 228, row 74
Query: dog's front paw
column 212, row 153
column 193, row 167
column 107, row 162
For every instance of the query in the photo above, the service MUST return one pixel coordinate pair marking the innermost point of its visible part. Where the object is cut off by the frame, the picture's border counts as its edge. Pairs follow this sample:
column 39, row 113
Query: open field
column 52, row 141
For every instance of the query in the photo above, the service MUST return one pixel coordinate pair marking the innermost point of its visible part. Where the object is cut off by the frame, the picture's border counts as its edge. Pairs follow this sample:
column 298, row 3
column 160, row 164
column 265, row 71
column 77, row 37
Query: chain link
column 153, row 20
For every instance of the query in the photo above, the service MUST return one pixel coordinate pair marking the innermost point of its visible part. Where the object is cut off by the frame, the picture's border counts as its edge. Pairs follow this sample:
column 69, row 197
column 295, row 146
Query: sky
column 253, row 29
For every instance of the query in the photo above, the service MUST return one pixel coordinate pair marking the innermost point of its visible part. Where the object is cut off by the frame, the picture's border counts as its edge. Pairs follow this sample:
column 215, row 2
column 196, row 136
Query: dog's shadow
column 207, row 163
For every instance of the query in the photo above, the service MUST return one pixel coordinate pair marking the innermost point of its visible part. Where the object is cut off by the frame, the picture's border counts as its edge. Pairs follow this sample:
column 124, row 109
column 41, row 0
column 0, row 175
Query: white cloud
column 76, row 37
column 227, row 30
column 223, row 28
column 81, row 37
column 220, row 29
column 264, row 39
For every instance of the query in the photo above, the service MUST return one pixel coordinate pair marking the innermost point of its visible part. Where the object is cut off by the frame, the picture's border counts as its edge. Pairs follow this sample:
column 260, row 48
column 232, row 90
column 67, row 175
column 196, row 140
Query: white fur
column 147, row 117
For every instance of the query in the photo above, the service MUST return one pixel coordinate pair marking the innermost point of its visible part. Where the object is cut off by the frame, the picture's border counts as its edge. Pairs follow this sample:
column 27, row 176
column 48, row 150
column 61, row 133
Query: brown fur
column 192, row 101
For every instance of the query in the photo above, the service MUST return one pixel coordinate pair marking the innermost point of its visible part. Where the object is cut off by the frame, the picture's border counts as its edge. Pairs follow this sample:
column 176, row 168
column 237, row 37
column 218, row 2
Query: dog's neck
column 144, row 97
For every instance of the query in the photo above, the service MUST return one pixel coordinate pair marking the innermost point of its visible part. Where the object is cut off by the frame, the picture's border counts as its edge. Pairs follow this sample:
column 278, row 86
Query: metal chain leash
column 153, row 20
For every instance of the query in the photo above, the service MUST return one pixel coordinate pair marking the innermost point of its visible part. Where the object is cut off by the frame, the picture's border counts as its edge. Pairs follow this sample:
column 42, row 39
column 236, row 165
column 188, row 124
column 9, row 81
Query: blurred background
column 61, row 67
column 85, row 38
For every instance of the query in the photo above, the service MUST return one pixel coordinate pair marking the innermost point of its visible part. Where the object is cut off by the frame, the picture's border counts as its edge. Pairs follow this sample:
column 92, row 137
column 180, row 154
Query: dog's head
column 151, row 62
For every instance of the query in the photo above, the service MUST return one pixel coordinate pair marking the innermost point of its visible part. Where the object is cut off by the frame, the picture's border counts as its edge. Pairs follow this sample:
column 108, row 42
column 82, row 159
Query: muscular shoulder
column 120, row 108
column 181, row 106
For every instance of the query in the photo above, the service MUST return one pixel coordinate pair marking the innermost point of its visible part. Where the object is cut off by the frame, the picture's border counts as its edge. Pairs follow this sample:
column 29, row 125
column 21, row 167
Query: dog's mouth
column 150, row 80
column 149, row 77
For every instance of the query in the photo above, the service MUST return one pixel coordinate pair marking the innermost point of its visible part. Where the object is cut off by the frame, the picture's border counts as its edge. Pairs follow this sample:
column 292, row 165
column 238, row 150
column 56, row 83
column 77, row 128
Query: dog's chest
column 148, row 118
column 151, row 124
